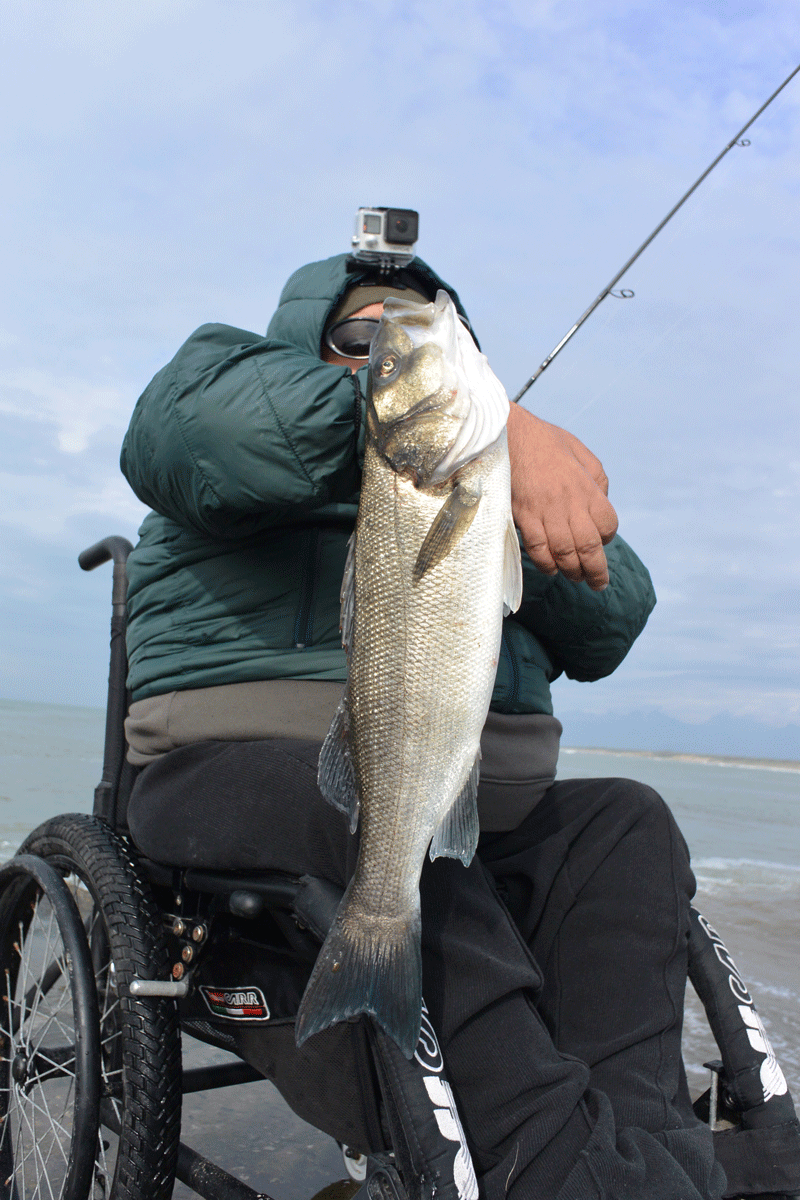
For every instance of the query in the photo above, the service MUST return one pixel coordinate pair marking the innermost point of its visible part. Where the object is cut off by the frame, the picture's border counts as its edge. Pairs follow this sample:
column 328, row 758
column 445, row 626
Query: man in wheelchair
column 554, row 967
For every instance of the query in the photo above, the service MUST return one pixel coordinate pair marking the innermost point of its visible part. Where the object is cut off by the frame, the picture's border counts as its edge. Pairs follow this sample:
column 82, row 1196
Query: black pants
column 561, row 1027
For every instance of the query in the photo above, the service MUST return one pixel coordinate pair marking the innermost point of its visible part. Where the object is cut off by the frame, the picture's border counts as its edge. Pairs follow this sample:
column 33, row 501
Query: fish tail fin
column 380, row 975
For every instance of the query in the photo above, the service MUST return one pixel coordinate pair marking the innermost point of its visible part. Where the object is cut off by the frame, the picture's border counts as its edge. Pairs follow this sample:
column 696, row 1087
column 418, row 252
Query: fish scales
column 434, row 560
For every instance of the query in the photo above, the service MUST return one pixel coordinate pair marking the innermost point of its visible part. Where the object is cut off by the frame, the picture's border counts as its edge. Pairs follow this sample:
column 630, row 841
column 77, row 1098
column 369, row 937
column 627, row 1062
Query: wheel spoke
column 17, row 1152
column 107, row 1012
column 57, row 1123
column 35, row 1158
column 37, row 1155
column 110, row 1038
column 108, row 1009
column 53, row 1020
column 9, row 1005
column 23, row 965
column 23, row 1156
column 110, row 1115
column 110, row 1034
column 43, row 1174
column 44, row 1110
column 41, row 987
column 53, row 1064
column 39, row 1132
column 48, row 941
column 101, row 1169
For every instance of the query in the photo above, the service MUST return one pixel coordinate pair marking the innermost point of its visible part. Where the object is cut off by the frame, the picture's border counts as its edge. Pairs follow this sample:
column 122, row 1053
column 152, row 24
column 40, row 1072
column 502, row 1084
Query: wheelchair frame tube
column 210, row 1181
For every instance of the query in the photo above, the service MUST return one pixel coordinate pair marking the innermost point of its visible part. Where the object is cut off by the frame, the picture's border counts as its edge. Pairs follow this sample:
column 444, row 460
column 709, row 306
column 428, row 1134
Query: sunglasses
column 352, row 337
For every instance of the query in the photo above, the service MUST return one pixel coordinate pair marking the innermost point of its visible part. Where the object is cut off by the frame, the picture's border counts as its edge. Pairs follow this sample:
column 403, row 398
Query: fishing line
column 551, row 402
column 737, row 139
column 682, row 319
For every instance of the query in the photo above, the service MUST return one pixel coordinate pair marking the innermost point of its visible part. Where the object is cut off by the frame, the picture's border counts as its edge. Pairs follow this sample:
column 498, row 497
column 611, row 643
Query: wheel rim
column 111, row 1071
column 41, row 1031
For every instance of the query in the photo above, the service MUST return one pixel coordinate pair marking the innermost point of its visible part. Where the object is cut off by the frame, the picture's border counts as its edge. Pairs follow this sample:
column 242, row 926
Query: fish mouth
column 429, row 404
column 397, row 440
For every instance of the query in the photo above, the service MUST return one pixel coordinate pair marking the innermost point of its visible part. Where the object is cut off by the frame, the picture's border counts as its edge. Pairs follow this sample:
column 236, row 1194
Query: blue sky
column 171, row 162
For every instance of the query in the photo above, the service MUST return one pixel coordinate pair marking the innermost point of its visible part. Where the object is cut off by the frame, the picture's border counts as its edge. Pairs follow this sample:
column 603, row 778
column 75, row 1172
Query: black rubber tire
column 140, row 1037
column 50, row 1064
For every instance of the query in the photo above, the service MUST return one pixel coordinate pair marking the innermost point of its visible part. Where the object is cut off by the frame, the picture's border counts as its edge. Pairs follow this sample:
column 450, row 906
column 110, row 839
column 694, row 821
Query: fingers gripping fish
column 434, row 563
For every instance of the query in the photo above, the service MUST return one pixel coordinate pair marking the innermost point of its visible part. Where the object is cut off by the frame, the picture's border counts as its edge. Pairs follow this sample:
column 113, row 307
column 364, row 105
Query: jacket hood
column 314, row 291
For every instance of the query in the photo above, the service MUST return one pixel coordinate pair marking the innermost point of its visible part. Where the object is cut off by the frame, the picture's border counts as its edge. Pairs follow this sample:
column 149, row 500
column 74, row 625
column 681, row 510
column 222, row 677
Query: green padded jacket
column 248, row 450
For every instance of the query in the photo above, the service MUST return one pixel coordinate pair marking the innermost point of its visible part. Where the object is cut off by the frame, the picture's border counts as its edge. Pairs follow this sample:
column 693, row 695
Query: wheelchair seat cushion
column 238, row 806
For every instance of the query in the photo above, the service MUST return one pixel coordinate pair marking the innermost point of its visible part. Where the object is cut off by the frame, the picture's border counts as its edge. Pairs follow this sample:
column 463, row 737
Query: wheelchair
column 108, row 957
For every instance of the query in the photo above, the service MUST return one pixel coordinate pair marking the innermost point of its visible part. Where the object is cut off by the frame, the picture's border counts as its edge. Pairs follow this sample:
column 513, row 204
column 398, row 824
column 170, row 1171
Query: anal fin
column 457, row 836
column 336, row 775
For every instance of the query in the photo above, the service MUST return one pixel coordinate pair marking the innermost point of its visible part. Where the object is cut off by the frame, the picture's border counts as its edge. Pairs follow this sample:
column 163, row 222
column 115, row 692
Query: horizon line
column 733, row 760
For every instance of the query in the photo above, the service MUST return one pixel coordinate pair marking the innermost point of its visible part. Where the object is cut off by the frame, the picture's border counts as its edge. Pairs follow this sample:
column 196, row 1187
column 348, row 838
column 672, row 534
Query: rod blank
column 602, row 295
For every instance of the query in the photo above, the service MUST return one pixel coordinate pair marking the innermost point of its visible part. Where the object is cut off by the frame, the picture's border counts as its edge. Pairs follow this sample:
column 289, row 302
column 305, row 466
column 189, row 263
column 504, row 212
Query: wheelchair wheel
column 135, row 1153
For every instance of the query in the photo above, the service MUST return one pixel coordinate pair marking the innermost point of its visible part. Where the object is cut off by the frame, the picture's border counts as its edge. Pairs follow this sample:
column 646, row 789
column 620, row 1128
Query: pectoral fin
column 457, row 836
column 512, row 571
column 336, row 776
column 449, row 526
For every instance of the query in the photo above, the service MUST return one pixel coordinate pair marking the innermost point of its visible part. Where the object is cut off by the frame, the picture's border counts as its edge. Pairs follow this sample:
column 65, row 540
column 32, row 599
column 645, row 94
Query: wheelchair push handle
column 116, row 548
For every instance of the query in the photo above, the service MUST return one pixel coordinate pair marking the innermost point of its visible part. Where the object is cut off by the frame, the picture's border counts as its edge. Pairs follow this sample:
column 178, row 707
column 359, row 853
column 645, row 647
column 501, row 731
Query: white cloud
column 178, row 161
column 42, row 506
column 77, row 408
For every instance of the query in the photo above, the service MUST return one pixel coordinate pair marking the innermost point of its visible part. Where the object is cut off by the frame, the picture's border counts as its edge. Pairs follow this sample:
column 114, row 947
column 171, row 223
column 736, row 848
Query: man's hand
column 559, row 498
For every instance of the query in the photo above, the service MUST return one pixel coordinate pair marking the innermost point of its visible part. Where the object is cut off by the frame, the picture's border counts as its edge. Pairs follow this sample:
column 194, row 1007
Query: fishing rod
column 737, row 140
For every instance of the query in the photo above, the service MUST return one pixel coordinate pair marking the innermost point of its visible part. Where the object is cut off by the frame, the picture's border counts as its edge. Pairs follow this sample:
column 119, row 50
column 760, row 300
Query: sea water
column 740, row 820
column 739, row 817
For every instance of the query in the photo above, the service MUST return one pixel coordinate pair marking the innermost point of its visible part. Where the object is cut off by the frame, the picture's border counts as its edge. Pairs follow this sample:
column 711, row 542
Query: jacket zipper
column 505, row 648
column 304, row 623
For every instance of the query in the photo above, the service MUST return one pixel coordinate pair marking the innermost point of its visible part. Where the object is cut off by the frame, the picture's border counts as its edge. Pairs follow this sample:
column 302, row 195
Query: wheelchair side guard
column 757, row 1141
column 425, row 1129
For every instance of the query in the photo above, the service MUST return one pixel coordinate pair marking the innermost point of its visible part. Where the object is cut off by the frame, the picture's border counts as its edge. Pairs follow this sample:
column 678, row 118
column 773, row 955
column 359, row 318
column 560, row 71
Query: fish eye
column 388, row 365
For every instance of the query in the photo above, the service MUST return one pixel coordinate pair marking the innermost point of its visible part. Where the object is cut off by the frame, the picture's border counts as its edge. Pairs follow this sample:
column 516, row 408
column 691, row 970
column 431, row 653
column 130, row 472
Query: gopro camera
column 385, row 237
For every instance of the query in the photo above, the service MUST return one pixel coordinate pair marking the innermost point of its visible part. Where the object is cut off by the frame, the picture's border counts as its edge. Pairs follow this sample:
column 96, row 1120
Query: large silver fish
column 434, row 563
